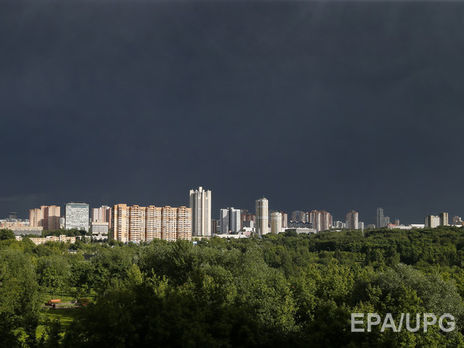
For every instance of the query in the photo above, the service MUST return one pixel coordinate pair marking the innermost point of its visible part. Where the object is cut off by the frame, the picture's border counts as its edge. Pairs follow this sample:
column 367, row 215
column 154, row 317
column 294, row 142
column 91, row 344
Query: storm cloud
column 326, row 105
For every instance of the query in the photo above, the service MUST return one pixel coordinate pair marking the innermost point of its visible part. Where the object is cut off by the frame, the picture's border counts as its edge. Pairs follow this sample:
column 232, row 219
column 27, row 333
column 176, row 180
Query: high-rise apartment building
column 184, row 223
column 284, row 220
column 276, row 222
column 321, row 220
column 35, row 217
column 247, row 219
column 432, row 221
column 327, row 221
column 153, row 222
column 262, row 216
column 386, row 221
column 102, row 214
column 169, row 223
column 380, row 218
column 298, row 216
column 444, row 219
column 234, row 220
column 352, row 220
column 230, row 220
column 138, row 224
column 215, row 227
column 121, row 217
column 200, row 203
column 77, row 216
column 47, row 216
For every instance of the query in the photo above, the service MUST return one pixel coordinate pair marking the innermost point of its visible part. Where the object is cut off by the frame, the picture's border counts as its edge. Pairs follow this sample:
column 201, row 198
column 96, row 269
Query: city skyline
column 314, row 111
column 369, row 218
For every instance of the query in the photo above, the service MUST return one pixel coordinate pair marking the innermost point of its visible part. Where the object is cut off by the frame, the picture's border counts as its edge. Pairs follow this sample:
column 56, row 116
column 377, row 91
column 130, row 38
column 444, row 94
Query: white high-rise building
column 77, row 216
column 276, row 222
column 321, row 220
column 200, row 203
column 352, row 220
column 229, row 220
column 262, row 216
column 432, row 221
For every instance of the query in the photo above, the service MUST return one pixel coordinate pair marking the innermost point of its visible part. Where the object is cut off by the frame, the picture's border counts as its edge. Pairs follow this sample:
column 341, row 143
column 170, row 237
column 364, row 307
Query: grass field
column 64, row 315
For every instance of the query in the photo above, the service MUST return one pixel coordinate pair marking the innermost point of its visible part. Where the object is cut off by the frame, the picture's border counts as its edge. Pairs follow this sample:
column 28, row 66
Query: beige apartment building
column 121, row 219
column 139, row 224
column 184, row 223
column 47, row 216
column 102, row 215
column 169, row 223
column 153, row 222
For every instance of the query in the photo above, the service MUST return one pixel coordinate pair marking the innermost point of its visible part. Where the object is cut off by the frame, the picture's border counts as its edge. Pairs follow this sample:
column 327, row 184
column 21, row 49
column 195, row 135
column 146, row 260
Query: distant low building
column 26, row 230
column 61, row 238
column 20, row 227
column 301, row 230
column 233, row 235
column 417, row 225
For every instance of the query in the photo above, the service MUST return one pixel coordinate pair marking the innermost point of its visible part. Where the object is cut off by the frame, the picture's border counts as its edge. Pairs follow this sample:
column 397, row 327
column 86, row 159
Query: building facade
column 47, row 217
column 77, row 216
column 276, row 222
column 321, row 220
column 154, row 216
column 143, row 224
column 284, row 220
column 380, row 218
column 444, row 219
column 184, row 223
column 352, row 220
column 247, row 218
column 200, row 204
column 432, row 221
column 102, row 214
column 230, row 220
column 298, row 216
column 457, row 221
column 262, row 216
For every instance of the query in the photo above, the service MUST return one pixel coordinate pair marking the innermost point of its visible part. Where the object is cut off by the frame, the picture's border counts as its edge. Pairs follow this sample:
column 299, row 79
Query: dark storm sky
column 316, row 105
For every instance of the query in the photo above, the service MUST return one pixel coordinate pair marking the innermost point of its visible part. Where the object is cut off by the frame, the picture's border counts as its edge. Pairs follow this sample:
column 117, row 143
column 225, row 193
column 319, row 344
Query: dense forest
column 286, row 289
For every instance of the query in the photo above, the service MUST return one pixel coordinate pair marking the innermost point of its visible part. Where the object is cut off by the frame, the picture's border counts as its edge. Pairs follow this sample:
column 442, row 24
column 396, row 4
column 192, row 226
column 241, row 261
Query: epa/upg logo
column 445, row 322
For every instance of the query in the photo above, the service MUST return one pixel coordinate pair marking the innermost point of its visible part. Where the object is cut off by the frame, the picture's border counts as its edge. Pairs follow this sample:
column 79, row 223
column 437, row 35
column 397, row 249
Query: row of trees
column 281, row 289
